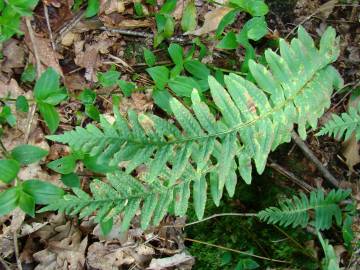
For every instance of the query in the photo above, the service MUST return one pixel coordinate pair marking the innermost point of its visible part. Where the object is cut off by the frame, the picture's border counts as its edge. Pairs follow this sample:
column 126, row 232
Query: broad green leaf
column 22, row 104
column 71, row 180
column 168, row 7
column 126, row 87
column 162, row 99
column 6, row 116
column 56, row 98
column 109, row 78
column 253, row 7
column 50, row 115
column 27, row 203
column 197, row 69
column 228, row 19
column 47, row 84
column 27, row 154
column 189, row 20
column 64, row 165
column 9, row 200
column 42, row 192
column 87, row 96
column 183, row 86
column 228, row 42
column 92, row 8
column 9, row 169
column 92, row 112
column 149, row 57
column 169, row 27
column 138, row 7
column 29, row 74
column 176, row 53
column 160, row 75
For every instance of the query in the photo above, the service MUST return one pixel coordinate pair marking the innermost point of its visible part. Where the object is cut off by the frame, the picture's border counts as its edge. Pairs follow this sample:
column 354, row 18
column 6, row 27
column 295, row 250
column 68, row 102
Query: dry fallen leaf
column 110, row 6
column 186, row 261
column 13, row 56
column 212, row 20
column 140, row 102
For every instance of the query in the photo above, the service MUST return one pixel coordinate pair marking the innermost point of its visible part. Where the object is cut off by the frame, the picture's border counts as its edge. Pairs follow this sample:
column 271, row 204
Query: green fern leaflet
column 343, row 125
column 202, row 148
column 295, row 211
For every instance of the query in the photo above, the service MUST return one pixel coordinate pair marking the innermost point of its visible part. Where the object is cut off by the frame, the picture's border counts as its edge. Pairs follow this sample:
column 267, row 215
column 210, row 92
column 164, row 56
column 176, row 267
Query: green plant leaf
column 6, row 116
column 197, row 69
column 92, row 8
column 93, row 112
column 228, row 42
column 188, row 20
column 169, row 27
column 168, row 7
column 71, row 180
column 9, row 200
column 109, row 78
column 127, row 87
column 9, row 169
column 47, row 85
column 41, row 191
column 22, row 104
column 149, row 57
column 161, row 99
column 64, row 165
column 106, row 226
column 228, row 19
column 254, row 29
column 27, row 203
column 87, row 96
column 253, row 7
column 183, row 86
column 29, row 74
column 55, row 99
column 26, row 154
column 176, row 53
column 160, row 75
column 50, row 115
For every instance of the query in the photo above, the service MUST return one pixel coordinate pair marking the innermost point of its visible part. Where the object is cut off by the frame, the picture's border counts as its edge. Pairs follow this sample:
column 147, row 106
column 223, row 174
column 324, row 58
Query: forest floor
column 79, row 48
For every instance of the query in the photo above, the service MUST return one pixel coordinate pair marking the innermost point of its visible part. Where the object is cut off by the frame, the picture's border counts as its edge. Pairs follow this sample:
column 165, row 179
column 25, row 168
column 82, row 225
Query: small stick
column 310, row 155
column 4, row 264
column 140, row 34
column 67, row 28
column 235, row 251
column 46, row 13
column 290, row 175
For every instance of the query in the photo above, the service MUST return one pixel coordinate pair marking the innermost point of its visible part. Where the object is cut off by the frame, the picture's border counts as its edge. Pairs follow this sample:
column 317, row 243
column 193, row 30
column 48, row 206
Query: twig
column 290, row 175
column 221, row 215
column 67, row 28
column 46, row 13
column 235, row 251
column 32, row 110
column 310, row 155
column 4, row 264
column 141, row 34
column 16, row 247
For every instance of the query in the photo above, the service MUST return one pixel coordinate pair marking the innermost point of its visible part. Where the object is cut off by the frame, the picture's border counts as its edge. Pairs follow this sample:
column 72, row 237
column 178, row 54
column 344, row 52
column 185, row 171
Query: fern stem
column 236, row 251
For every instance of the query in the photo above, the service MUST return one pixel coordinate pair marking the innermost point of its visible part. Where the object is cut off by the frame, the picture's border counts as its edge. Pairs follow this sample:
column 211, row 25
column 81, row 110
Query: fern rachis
column 256, row 118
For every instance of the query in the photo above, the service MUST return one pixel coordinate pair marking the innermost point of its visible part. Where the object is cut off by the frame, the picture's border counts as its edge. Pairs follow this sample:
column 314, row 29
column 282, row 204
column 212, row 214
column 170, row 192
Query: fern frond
column 255, row 119
column 343, row 125
column 295, row 211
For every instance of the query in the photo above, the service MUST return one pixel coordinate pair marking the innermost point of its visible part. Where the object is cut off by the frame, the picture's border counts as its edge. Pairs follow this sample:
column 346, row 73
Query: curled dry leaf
column 66, row 250
column 108, row 257
column 13, row 56
column 212, row 20
column 186, row 261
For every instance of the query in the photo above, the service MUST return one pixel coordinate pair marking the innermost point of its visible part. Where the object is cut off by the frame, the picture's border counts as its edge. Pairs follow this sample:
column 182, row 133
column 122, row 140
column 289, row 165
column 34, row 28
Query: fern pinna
column 343, row 125
column 295, row 211
column 202, row 147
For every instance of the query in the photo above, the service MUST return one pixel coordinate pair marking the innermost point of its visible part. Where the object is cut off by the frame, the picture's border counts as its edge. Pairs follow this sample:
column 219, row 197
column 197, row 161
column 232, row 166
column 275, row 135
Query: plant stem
column 236, row 251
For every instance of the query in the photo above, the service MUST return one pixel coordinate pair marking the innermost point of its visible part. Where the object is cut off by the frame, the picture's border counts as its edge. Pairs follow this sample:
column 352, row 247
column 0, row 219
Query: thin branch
column 221, row 215
column 4, row 263
column 310, row 155
column 290, row 175
column 16, row 247
column 236, row 251
column 46, row 13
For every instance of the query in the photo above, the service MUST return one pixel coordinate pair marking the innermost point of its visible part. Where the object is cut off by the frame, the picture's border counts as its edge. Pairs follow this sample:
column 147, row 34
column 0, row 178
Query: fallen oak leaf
column 212, row 20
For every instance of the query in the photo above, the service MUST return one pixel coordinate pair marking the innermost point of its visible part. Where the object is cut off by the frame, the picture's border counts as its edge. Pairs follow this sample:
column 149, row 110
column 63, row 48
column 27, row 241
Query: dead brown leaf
column 186, row 261
column 140, row 102
column 212, row 20
column 13, row 56
column 111, row 6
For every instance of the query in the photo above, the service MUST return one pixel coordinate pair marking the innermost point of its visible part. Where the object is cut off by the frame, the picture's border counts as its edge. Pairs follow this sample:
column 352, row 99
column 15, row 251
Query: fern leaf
column 255, row 119
column 344, row 125
column 295, row 211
